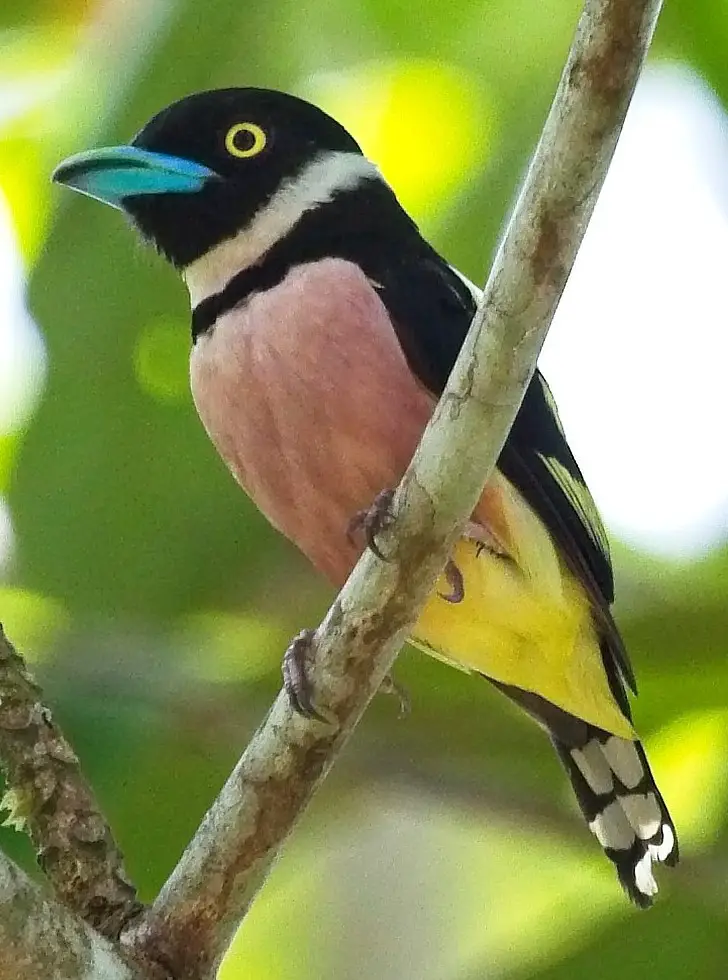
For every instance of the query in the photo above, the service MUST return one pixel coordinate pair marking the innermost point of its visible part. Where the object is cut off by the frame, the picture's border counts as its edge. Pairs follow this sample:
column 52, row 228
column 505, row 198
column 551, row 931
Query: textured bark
column 42, row 940
column 48, row 797
column 195, row 916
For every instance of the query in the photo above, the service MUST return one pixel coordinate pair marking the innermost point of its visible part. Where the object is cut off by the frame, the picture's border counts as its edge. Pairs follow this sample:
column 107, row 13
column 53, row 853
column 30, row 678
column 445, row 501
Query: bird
column 324, row 328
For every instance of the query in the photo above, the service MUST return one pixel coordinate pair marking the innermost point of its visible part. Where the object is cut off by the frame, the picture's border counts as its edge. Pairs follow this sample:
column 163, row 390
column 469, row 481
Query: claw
column 485, row 540
column 455, row 580
column 390, row 686
column 295, row 678
column 375, row 519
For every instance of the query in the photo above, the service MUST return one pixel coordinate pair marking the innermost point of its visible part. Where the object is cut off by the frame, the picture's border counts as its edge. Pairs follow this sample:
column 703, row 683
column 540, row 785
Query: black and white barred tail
column 616, row 791
column 623, row 807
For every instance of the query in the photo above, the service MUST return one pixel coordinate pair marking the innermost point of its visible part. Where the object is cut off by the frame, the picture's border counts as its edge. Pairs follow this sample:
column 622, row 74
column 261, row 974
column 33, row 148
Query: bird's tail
column 623, row 807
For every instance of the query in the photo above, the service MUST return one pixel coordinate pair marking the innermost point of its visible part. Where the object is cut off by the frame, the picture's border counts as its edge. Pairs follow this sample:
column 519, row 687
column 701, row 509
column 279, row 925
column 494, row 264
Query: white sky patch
column 6, row 536
column 638, row 354
column 22, row 357
column 22, row 353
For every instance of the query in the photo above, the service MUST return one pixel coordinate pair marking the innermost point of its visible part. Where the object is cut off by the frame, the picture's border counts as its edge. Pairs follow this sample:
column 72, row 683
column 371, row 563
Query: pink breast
column 309, row 400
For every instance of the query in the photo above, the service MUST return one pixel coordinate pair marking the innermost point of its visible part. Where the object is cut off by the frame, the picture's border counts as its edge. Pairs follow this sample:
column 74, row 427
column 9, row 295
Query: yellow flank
column 524, row 622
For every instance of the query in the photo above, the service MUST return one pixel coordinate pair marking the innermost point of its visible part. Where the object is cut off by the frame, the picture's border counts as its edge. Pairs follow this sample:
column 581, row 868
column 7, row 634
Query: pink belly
column 308, row 398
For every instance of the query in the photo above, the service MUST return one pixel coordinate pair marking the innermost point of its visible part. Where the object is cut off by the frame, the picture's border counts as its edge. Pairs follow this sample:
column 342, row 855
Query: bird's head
column 231, row 164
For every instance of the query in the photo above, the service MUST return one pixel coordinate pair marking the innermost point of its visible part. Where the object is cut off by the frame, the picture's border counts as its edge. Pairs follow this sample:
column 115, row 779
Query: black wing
column 431, row 307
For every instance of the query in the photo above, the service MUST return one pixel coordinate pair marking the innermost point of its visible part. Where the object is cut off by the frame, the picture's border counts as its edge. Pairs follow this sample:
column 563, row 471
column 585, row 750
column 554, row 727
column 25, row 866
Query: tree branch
column 47, row 795
column 39, row 938
column 195, row 916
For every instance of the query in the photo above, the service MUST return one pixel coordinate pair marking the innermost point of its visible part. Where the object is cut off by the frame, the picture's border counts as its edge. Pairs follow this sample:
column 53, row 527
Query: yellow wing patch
column 581, row 500
column 524, row 631
column 576, row 492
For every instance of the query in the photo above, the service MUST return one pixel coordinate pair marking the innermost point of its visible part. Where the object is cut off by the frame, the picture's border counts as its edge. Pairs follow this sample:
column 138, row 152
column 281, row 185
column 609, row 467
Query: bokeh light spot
column 238, row 647
column 22, row 351
column 32, row 621
column 425, row 123
column 25, row 184
column 688, row 757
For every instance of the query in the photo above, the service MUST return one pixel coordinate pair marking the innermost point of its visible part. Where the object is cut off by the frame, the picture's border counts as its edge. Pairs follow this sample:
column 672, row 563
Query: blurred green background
column 154, row 603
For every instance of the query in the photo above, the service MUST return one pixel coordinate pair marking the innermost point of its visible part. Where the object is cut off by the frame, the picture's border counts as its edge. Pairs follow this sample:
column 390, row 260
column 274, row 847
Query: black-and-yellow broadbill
column 323, row 329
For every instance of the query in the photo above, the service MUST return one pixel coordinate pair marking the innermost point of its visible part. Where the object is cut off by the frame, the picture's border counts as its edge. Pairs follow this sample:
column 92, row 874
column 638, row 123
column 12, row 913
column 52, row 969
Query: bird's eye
column 245, row 139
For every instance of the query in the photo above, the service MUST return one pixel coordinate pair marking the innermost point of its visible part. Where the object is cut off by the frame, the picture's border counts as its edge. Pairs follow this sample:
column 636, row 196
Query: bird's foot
column 455, row 580
column 390, row 686
column 375, row 519
column 298, row 686
column 295, row 675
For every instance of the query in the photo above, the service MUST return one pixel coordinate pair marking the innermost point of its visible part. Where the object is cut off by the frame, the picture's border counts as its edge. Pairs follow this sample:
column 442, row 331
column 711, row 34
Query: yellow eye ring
column 250, row 129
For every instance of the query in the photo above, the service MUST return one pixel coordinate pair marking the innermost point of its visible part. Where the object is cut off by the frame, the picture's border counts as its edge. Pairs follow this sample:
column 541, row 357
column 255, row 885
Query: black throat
column 365, row 225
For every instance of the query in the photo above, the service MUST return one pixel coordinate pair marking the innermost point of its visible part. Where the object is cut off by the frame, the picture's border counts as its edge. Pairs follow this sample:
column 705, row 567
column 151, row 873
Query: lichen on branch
column 47, row 795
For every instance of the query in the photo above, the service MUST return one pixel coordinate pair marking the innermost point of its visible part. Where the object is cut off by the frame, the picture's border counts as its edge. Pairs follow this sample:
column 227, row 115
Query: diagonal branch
column 48, row 796
column 195, row 916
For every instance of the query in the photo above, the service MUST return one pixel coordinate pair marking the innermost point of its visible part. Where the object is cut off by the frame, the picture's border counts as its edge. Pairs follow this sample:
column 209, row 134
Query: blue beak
column 113, row 173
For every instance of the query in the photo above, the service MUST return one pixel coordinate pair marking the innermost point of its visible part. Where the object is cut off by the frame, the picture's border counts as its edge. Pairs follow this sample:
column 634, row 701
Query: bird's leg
column 375, row 519
column 390, row 686
column 295, row 677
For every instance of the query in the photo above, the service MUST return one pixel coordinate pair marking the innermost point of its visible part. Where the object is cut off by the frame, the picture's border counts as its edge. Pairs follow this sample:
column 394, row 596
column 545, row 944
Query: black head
column 201, row 169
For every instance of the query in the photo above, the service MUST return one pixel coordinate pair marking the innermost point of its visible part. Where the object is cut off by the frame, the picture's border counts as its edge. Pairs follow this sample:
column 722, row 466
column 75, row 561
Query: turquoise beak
column 113, row 173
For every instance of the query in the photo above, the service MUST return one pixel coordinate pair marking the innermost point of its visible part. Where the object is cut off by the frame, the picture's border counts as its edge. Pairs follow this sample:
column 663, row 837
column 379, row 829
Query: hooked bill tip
column 111, row 174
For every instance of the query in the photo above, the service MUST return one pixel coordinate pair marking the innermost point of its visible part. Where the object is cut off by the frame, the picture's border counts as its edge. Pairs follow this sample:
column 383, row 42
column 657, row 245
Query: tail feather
column 615, row 789
column 623, row 808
